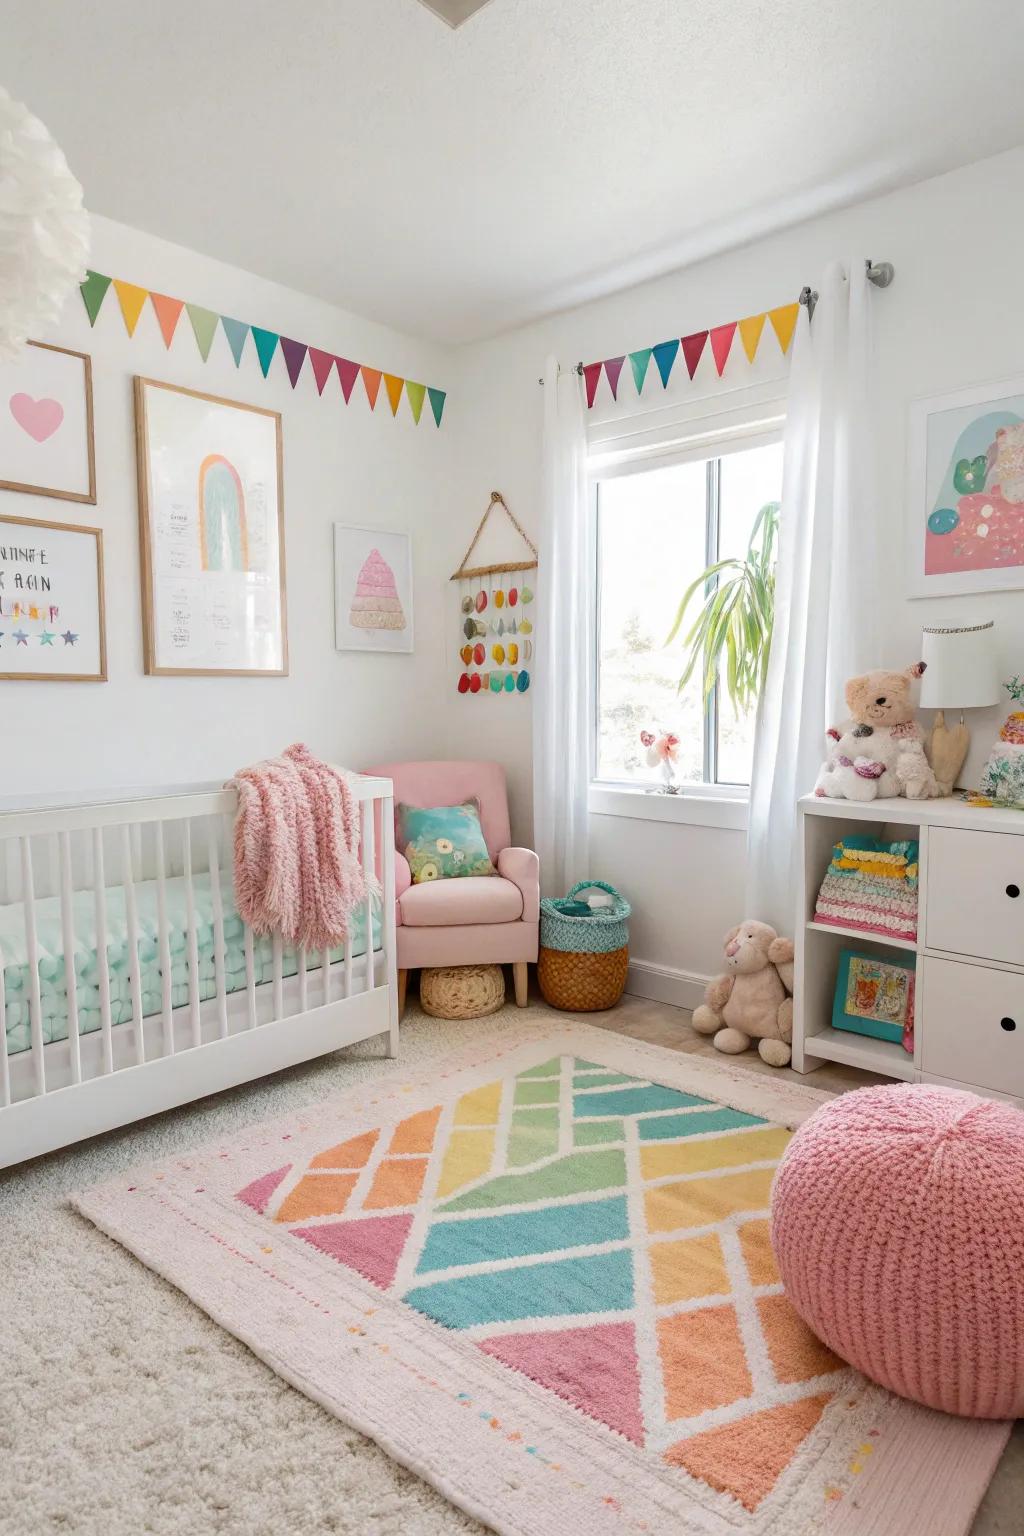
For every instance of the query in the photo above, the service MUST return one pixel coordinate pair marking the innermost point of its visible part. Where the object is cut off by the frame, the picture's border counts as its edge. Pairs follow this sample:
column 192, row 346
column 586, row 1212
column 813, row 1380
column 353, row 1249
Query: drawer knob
column 1008, row 1024
column 1013, row 891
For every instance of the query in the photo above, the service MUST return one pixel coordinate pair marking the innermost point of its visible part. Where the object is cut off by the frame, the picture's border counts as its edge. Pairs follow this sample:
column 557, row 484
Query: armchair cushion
column 522, row 867
column 477, row 899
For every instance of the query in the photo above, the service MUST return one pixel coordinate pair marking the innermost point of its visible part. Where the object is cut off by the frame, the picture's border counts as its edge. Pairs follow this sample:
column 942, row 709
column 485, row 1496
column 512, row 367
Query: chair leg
column 521, row 976
column 403, row 982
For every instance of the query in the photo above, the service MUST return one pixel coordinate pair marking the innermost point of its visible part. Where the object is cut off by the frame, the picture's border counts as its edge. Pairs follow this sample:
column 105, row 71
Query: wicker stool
column 462, row 991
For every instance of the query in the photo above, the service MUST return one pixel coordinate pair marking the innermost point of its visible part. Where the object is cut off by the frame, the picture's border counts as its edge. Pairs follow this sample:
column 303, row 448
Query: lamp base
column 946, row 748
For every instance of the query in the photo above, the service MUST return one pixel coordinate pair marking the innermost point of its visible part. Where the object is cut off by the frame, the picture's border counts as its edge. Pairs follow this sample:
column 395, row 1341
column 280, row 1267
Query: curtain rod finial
column 881, row 273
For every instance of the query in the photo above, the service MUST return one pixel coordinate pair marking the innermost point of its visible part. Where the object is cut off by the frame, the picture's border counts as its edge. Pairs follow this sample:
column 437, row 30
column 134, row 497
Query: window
column 658, row 529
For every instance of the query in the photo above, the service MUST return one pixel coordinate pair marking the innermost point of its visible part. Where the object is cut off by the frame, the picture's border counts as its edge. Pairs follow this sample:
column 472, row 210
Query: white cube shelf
column 969, row 996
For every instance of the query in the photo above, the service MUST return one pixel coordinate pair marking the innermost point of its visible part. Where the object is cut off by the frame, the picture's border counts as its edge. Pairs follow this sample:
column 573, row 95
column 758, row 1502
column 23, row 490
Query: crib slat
column 99, row 889
column 325, row 966
column 347, row 976
column 388, row 925
column 5, row 1068
column 303, row 980
column 68, row 934
column 218, row 928
column 250, row 978
column 192, row 937
column 278, row 978
column 368, row 871
column 163, row 939
column 131, row 913
column 28, row 897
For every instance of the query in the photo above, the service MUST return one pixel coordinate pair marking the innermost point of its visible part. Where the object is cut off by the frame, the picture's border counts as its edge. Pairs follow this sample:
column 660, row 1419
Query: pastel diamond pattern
column 604, row 1235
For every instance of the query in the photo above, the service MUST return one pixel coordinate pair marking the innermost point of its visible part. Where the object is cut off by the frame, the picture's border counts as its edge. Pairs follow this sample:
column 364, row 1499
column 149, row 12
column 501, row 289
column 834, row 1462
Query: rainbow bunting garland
column 719, row 337
column 204, row 322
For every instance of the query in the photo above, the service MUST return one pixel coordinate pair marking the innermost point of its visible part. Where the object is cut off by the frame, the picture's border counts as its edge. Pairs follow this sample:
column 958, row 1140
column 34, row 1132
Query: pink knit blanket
column 297, row 865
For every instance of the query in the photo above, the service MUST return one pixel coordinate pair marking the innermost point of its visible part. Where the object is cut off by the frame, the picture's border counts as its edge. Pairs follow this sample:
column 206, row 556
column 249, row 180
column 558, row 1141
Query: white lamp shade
column 962, row 671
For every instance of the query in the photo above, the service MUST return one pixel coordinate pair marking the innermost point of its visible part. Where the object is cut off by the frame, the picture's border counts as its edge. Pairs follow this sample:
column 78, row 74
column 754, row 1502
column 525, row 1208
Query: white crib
column 143, row 885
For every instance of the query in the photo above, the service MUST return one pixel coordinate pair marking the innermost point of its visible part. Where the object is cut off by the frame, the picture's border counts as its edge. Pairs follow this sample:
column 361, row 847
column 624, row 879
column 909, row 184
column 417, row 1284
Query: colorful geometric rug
column 542, row 1279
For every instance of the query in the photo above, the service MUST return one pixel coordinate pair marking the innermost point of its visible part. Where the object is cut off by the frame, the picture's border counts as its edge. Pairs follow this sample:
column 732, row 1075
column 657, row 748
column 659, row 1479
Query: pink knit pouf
column 898, row 1226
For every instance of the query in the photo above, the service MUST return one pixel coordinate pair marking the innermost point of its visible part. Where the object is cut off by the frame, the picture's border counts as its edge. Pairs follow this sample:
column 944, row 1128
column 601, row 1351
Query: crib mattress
column 53, row 984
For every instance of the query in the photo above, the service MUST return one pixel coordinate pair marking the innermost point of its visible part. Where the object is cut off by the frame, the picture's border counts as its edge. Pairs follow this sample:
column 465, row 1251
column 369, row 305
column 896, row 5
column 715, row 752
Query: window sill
column 698, row 806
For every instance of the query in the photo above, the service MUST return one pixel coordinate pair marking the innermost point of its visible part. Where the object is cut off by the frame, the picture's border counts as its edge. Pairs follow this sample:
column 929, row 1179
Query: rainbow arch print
column 223, row 530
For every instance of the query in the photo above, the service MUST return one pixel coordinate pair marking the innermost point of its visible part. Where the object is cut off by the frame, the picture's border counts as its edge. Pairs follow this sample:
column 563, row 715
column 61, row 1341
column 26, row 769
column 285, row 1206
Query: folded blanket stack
column 871, row 886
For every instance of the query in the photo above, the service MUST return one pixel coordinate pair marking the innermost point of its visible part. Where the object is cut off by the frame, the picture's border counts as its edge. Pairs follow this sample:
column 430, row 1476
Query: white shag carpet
column 124, row 1411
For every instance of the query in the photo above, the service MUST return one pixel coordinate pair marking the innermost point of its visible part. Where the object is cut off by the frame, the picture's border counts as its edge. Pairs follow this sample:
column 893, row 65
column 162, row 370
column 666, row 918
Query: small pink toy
column 663, row 753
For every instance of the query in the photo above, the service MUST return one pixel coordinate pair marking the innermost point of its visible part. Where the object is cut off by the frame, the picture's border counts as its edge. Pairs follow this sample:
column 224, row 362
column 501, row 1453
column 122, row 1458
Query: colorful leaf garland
column 204, row 322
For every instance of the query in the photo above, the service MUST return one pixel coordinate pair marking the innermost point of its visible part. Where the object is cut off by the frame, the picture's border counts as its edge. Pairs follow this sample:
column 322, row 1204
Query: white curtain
column 563, row 652
column 825, row 623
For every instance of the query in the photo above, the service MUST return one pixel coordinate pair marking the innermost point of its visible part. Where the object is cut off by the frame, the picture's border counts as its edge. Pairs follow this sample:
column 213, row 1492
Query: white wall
column 340, row 464
column 953, row 317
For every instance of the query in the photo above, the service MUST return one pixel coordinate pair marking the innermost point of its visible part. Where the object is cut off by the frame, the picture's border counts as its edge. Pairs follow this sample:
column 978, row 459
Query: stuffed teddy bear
column 753, row 1000
column 879, row 751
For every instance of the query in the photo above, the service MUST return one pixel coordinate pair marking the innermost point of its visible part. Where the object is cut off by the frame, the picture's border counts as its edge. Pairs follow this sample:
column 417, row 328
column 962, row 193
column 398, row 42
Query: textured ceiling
column 455, row 183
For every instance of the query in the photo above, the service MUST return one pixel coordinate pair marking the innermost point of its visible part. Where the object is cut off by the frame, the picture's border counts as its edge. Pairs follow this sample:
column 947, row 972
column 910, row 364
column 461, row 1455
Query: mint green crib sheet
column 53, row 980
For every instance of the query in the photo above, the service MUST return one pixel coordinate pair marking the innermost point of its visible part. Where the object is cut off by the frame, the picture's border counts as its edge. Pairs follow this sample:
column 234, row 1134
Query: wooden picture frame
column 29, row 422
column 68, row 590
column 203, row 580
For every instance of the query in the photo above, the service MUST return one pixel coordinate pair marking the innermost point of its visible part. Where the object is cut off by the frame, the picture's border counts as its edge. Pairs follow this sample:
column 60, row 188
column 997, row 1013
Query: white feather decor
column 44, row 229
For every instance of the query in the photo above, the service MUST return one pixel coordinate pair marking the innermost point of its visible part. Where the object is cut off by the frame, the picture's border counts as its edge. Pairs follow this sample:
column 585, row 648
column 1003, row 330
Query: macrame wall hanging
column 495, row 616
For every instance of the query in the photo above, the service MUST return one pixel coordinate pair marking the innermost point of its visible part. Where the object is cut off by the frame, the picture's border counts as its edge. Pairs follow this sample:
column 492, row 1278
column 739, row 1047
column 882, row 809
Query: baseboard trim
column 665, row 984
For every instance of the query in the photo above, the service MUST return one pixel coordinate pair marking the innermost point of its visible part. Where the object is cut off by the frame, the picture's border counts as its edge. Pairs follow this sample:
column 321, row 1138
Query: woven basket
column 582, row 983
column 600, row 933
column 462, row 991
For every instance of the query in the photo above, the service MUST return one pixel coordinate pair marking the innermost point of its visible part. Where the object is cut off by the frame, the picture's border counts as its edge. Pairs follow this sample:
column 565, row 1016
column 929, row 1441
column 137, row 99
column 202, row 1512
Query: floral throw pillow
column 443, row 841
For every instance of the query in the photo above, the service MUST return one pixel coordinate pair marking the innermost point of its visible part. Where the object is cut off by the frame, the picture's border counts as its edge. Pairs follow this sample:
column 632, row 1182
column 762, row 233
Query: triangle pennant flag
column 394, row 387
column 693, row 347
column 294, row 357
column 347, row 373
column 665, row 354
column 784, row 323
column 721, row 341
column 266, row 346
column 204, row 324
column 591, row 374
column 437, row 398
column 750, row 334
column 168, row 313
column 131, row 300
column 415, row 393
column 236, row 331
column 321, row 363
column 371, row 379
column 640, row 362
column 612, row 368
column 94, row 291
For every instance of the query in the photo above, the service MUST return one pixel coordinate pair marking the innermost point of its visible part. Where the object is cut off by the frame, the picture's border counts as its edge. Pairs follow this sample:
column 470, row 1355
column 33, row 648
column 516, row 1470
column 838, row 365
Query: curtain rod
column 879, row 273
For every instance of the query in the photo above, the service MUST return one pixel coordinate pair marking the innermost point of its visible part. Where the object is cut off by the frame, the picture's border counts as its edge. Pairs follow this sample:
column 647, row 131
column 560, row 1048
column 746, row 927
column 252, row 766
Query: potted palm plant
column 731, row 635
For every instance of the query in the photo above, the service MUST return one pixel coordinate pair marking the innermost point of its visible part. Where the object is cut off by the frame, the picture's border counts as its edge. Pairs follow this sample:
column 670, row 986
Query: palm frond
column 730, row 636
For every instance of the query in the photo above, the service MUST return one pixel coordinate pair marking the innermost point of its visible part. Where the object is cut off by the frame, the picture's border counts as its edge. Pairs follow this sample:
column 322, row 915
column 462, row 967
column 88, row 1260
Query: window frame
column 760, row 427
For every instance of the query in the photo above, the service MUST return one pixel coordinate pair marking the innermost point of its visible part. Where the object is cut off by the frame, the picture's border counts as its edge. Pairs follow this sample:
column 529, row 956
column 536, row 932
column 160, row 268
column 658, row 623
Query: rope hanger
column 466, row 572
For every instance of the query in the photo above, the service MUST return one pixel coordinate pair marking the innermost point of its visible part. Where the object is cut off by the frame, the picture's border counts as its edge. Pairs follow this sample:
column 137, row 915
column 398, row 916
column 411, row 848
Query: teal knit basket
column 605, row 930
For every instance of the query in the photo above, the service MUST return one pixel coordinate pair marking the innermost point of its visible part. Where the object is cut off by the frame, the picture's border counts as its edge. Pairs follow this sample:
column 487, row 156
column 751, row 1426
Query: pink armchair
column 472, row 920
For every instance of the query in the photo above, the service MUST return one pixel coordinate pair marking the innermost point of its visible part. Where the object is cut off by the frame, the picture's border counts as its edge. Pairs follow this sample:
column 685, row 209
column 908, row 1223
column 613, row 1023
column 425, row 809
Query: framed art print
column 875, row 996
column 46, row 426
column 51, row 603
column 211, row 518
column 965, row 530
column 372, row 589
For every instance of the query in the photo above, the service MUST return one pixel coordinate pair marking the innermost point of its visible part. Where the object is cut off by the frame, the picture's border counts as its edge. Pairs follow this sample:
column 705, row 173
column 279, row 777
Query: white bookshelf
column 969, row 1007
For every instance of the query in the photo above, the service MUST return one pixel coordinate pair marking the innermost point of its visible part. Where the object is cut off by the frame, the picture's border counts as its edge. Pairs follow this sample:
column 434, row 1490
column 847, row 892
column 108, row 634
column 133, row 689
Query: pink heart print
column 39, row 418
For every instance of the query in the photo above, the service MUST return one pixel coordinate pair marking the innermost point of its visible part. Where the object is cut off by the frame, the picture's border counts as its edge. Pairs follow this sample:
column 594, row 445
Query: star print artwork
column 51, row 602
